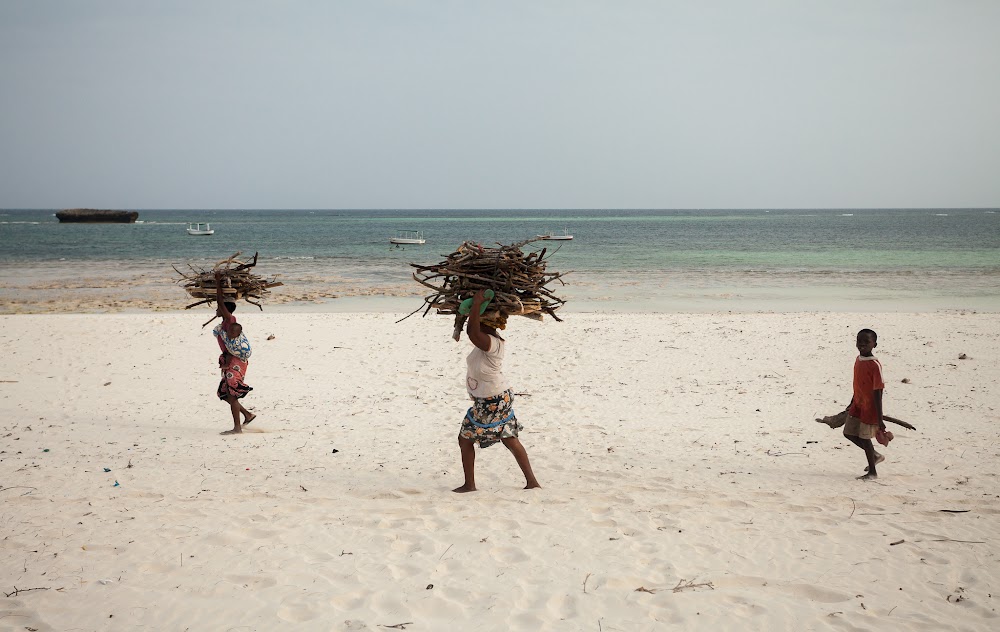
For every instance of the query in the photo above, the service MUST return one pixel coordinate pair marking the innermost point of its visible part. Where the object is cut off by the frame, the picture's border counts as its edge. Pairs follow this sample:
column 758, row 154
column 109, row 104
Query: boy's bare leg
column 878, row 459
column 247, row 415
column 468, row 448
column 866, row 445
column 234, row 407
column 521, row 456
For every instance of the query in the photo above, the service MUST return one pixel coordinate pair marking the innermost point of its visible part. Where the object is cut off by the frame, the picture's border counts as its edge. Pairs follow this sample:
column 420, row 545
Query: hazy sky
column 505, row 104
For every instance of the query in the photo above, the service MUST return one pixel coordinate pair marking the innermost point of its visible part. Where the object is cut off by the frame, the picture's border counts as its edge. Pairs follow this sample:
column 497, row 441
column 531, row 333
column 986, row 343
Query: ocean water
column 948, row 258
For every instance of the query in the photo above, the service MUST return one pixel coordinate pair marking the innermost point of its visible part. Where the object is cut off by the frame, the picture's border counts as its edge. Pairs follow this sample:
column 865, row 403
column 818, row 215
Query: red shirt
column 867, row 379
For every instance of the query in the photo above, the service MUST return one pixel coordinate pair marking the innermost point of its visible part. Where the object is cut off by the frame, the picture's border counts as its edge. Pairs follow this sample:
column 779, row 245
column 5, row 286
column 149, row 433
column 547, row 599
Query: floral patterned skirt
column 232, row 384
column 491, row 419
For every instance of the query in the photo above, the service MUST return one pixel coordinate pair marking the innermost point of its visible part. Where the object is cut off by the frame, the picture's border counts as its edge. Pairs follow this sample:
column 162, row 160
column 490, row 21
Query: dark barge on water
column 92, row 215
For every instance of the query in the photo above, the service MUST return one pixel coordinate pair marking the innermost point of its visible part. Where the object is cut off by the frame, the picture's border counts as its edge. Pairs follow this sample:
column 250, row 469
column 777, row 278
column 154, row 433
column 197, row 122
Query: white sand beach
column 685, row 483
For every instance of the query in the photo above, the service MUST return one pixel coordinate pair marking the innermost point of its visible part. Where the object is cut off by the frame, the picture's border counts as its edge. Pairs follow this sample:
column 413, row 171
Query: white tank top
column 484, row 376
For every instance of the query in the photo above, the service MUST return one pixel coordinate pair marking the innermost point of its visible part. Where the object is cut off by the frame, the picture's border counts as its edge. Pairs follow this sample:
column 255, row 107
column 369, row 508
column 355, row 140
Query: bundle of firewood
column 518, row 280
column 237, row 281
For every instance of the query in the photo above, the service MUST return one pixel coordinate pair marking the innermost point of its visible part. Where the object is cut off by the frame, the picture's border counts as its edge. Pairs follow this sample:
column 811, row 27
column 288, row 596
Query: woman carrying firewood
column 233, row 361
column 491, row 418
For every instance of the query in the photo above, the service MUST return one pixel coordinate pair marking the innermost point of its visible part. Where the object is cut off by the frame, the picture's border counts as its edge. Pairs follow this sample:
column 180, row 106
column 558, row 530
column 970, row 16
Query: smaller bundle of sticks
column 518, row 280
column 237, row 281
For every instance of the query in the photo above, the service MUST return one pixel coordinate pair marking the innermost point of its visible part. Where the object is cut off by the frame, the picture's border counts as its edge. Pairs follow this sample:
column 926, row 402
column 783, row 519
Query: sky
column 499, row 104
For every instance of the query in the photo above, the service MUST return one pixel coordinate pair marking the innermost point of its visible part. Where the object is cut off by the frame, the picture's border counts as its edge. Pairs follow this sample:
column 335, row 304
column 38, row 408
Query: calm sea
column 946, row 258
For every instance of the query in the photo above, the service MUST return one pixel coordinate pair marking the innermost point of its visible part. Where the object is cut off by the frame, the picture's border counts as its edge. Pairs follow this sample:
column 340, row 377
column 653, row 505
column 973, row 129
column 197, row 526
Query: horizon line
column 617, row 208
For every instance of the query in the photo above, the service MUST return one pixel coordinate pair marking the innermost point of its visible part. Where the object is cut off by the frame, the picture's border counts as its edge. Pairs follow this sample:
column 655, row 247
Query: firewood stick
column 899, row 422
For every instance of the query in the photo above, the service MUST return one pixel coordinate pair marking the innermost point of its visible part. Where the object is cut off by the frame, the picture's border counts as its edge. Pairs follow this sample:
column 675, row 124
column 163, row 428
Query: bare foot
column 868, row 477
column 249, row 419
column 534, row 485
column 463, row 489
column 233, row 431
column 878, row 459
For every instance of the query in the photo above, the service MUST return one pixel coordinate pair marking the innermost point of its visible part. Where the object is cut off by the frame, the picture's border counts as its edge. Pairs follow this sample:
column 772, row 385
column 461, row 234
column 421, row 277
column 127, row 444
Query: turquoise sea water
column 936, row 255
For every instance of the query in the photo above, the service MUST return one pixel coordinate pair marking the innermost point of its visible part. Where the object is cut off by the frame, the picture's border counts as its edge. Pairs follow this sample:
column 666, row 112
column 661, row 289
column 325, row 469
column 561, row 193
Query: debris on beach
column 238, row 282
column 518, row 280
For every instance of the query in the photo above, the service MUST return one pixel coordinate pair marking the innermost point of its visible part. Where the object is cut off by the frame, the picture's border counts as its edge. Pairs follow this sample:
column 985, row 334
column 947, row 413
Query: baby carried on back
column 238, row 347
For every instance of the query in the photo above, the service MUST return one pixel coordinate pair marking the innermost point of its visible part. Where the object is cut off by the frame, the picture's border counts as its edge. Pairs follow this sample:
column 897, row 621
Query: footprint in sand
column 406, row 544
column 561, row 607
column 508, row 555
column 353, row 600
column 300, row 608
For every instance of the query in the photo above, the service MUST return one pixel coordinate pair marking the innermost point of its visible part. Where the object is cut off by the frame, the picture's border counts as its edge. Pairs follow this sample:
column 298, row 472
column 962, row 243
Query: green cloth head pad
column 466, row 305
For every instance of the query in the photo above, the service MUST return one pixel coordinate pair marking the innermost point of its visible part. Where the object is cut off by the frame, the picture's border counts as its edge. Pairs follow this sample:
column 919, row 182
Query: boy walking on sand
column 864, row 414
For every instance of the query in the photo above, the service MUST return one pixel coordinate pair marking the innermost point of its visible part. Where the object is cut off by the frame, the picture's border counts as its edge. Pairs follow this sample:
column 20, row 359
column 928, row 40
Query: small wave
column 847, row 214
column 292, row 258
column 941, row 214
column 20, row 222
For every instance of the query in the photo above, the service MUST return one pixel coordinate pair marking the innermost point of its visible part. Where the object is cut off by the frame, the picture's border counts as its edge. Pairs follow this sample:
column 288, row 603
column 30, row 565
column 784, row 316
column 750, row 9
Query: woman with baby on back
column 491, row 418
column 233, row 360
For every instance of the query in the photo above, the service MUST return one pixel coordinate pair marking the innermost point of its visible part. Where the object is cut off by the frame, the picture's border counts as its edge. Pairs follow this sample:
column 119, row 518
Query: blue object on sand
column 466, row 305
column 107, row 469
column 116, row 484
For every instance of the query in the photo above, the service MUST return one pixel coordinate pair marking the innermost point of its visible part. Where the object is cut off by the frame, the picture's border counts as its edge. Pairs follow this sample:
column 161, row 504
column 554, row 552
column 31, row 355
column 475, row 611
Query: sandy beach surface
column 685, row 483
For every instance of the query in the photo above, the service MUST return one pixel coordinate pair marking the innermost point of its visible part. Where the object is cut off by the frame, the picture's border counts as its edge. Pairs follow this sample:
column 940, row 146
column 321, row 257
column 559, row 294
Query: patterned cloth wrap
column 239, row 347
column 232, row 384
column 233, row 364
column 491, row 419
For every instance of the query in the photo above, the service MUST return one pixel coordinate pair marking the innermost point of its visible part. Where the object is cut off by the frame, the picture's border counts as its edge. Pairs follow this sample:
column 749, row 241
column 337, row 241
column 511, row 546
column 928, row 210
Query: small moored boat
column 408, row 237
column 550, row 237
column 200, row 228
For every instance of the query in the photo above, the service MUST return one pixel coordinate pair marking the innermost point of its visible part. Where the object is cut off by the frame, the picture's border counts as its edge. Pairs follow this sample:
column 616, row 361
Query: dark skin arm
column 475, row 332
column 220, row 305
column 877, row 396
column 220, row 310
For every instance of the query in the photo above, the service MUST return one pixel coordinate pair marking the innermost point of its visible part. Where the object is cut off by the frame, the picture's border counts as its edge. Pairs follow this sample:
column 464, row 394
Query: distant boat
column 550, row 237
column 407, row 237
column 196, row 229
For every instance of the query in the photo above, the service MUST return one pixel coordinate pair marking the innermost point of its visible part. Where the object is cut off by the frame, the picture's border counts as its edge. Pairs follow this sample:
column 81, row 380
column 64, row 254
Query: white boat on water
column 407, row 237
column 200, row 228
column 550, row 237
